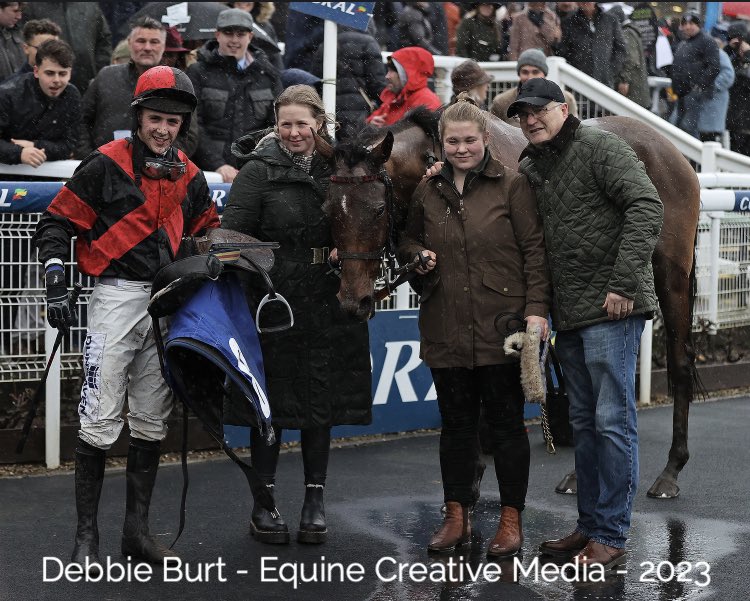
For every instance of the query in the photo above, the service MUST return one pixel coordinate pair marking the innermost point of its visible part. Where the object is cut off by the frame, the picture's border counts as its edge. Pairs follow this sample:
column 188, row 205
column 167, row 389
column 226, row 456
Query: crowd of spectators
column 239, row 71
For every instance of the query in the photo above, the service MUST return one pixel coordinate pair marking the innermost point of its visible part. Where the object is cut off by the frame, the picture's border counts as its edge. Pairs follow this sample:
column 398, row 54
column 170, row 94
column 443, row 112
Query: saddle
column 211, row 351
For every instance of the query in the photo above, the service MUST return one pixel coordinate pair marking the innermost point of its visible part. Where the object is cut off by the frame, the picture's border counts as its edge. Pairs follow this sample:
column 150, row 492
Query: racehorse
column 370, row 192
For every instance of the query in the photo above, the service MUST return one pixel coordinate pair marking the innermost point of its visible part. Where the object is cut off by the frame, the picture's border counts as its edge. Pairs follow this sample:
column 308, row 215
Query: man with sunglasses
column 129, row 203
column 602, row 217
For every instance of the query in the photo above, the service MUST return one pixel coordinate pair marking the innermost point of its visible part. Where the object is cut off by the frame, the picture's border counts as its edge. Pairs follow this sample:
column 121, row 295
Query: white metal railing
column 709, row 155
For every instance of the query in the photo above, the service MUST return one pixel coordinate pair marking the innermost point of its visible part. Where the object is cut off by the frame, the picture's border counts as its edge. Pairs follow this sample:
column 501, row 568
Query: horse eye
column 380, row 211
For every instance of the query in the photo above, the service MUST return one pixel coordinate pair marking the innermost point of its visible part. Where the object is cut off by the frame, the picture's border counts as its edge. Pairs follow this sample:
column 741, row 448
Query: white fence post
column 713, row 286
column 647, row 343
column 402, row 297
column 52, row 404
column 553, row 65
column 708, row 156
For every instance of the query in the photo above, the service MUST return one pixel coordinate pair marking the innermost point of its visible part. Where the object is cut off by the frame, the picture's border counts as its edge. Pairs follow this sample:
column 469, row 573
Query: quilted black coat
column 318, row 372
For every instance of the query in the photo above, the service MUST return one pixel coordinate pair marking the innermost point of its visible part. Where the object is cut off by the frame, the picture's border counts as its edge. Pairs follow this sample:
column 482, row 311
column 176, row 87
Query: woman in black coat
column 318, row 372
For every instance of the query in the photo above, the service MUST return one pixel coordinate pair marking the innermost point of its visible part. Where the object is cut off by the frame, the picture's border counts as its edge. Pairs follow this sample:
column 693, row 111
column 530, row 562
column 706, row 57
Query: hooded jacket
column 419, row 65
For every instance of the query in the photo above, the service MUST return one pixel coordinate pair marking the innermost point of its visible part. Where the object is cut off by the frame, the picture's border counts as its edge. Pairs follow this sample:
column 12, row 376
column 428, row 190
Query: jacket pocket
column 214, row 102
column 503, row 285
column 262, row 102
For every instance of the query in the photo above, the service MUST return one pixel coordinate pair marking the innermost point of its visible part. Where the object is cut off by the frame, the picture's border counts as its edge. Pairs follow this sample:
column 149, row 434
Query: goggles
column 158, row 168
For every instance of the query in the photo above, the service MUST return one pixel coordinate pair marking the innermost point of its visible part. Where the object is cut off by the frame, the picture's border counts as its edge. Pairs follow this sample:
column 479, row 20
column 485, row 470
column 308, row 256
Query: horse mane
column 421, row 117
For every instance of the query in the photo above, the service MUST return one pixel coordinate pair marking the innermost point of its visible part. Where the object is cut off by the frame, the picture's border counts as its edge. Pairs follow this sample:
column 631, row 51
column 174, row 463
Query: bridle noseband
column 387, row 252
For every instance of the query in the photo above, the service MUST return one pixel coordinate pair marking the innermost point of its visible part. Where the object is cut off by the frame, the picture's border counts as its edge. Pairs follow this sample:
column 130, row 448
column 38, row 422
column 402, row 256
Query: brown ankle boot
column 509, row 536
column 455, row 531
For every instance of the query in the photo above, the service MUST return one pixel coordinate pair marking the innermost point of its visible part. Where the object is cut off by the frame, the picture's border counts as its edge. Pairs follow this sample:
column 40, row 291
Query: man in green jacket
column 602, row 217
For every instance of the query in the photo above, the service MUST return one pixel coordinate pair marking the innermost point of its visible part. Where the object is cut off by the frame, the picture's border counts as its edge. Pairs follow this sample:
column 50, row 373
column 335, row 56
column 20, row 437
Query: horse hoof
column 664, row 488
column 568, row 485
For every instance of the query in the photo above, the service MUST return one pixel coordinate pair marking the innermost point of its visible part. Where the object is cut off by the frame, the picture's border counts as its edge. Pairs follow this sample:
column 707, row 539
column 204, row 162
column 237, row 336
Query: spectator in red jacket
column 408, row 70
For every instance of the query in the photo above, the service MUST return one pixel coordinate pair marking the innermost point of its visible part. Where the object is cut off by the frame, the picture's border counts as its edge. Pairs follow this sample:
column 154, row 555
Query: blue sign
column 403, row 394
column 353, row 14
column 742, row 200
column 34, row 197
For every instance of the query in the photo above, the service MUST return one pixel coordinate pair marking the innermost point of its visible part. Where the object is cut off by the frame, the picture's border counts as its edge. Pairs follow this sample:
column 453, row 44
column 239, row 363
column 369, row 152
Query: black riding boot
column 316, row 444
column 263, row 526
column 137, row 542
column 89, row 477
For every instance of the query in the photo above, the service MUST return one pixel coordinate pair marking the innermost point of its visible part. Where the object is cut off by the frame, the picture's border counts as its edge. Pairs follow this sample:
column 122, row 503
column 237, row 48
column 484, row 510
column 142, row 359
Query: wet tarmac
column 383, row 502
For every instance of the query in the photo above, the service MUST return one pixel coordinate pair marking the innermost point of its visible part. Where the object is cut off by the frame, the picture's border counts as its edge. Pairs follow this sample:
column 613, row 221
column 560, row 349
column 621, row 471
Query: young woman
column 477, row 227
column 318, row 372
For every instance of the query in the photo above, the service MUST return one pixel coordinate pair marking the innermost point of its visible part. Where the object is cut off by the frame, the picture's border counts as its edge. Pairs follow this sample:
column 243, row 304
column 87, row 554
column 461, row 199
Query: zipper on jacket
column 445, row 226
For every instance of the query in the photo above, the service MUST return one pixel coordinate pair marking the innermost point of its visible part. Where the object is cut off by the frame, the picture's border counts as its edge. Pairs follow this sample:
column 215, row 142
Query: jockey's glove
column 60, row 313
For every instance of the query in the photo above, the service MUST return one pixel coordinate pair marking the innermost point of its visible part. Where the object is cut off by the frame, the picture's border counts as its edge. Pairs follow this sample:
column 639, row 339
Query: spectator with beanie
column 694, row 70
column 535, row 27
column 532, row 63
column 40, row 111
column 469, row 77
column 406, row 88
column 236, row 86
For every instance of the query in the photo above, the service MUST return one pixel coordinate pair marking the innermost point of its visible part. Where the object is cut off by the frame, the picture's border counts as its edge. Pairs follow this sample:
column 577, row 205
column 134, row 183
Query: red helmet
column 165, row 89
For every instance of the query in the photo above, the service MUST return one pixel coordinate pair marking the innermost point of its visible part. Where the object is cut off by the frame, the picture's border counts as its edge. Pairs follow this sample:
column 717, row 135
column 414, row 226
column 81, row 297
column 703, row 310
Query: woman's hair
column 306, row 96
column 464, row 109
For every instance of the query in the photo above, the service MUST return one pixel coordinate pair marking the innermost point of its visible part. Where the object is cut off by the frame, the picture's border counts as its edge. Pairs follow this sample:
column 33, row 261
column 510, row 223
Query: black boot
column 263, row 526
column 89, row 477
column 316, row 445
column 137, row 542
column 312, row 523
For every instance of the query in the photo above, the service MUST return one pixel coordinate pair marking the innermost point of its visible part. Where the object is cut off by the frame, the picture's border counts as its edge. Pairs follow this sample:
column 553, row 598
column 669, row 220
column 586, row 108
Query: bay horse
column 370, row 202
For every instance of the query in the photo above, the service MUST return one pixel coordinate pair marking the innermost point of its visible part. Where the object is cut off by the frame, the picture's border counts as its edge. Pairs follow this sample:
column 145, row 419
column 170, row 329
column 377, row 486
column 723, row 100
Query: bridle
column 390, row 275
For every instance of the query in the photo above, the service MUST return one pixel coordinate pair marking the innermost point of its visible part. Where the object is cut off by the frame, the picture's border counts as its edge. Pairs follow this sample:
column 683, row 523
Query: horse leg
column 674, row 287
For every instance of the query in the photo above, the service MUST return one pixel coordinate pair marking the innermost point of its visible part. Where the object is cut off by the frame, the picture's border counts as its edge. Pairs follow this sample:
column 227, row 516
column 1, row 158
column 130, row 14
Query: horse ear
column 323, row 147
column 382, row 152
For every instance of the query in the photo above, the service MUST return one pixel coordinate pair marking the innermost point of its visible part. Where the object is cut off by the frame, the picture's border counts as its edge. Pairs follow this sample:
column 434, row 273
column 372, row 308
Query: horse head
column 359, row 208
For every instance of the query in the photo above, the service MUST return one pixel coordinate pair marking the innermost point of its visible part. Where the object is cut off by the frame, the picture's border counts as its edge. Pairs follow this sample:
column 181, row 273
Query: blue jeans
column 598, row 364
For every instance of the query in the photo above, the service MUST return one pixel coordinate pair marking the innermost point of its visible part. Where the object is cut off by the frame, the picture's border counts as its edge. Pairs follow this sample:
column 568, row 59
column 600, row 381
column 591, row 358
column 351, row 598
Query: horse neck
column 407, row 165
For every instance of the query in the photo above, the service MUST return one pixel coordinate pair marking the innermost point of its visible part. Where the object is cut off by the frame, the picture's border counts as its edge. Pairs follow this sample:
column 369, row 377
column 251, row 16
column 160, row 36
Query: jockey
column 129, row 203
